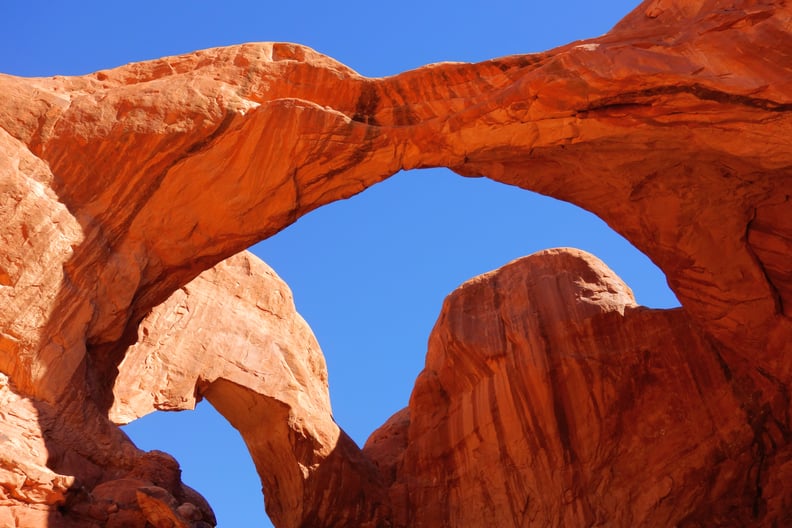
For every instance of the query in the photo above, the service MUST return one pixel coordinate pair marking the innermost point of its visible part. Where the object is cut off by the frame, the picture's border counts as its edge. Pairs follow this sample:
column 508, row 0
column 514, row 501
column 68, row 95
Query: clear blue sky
column 369, row 274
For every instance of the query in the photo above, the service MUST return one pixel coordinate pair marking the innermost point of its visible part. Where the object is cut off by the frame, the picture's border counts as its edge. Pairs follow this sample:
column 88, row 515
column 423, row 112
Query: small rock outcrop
column 548, row 396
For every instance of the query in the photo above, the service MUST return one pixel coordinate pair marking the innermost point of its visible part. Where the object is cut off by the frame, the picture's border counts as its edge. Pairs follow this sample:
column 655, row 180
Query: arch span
column 672, row 128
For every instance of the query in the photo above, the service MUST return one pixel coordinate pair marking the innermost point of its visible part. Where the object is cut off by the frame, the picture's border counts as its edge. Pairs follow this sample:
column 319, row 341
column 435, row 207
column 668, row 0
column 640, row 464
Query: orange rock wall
column 121, row 187
column 550, row 398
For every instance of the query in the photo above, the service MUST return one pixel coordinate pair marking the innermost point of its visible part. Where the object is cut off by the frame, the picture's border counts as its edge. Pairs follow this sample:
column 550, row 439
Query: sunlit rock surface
column 232, row 335
column 550, row 398
column 121, row 187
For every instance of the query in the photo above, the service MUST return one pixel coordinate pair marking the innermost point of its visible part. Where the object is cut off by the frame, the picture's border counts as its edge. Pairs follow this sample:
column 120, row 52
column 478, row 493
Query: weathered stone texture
column 547, row 396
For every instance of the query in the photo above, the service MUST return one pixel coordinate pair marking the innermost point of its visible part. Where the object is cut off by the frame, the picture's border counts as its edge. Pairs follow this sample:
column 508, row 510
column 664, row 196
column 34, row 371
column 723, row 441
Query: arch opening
column 369, row 275
column 213, row 457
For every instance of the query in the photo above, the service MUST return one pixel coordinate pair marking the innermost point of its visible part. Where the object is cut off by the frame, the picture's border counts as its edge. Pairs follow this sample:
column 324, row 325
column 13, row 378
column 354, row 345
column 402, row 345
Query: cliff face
column 548, row 396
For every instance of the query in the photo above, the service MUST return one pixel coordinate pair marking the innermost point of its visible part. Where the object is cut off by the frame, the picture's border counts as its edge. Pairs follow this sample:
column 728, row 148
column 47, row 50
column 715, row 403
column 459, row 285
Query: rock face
column 548, row 397
column 232, row 335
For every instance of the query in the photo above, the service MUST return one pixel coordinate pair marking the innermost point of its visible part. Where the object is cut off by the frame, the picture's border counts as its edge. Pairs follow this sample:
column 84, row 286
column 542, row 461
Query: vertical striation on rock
column 550, row 398
column 121, row 187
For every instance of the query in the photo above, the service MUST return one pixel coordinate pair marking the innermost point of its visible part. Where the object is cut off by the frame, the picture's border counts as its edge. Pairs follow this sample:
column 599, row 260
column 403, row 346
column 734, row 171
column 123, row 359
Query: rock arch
column 122, row 186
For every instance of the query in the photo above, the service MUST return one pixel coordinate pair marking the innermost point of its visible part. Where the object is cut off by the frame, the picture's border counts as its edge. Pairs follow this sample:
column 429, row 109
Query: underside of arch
column 122, row 187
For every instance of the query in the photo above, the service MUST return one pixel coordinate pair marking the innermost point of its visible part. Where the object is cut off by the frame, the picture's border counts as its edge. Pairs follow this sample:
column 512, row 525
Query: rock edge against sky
column 548, row 397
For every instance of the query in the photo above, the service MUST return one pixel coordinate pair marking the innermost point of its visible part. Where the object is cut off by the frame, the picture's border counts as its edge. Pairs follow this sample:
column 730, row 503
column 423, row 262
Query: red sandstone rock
column 233, row 336
column 550, row 398
column 120, row 187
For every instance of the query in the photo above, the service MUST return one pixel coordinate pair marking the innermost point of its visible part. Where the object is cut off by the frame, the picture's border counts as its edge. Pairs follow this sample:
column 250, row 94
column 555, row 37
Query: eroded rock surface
column 121, row 187
column 233, row 336
column 550, row 398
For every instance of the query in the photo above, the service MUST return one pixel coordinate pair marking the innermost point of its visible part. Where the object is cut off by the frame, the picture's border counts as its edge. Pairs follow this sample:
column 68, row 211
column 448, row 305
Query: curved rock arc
column 128, row 183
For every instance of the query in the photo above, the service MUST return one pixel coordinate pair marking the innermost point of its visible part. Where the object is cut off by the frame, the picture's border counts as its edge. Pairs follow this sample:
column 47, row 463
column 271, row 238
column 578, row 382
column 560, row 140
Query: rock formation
column 232, row 335
column 548, row 396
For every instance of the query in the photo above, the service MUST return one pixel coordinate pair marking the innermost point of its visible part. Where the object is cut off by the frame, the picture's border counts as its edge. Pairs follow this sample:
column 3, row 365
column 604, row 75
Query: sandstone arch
column 122, row 186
